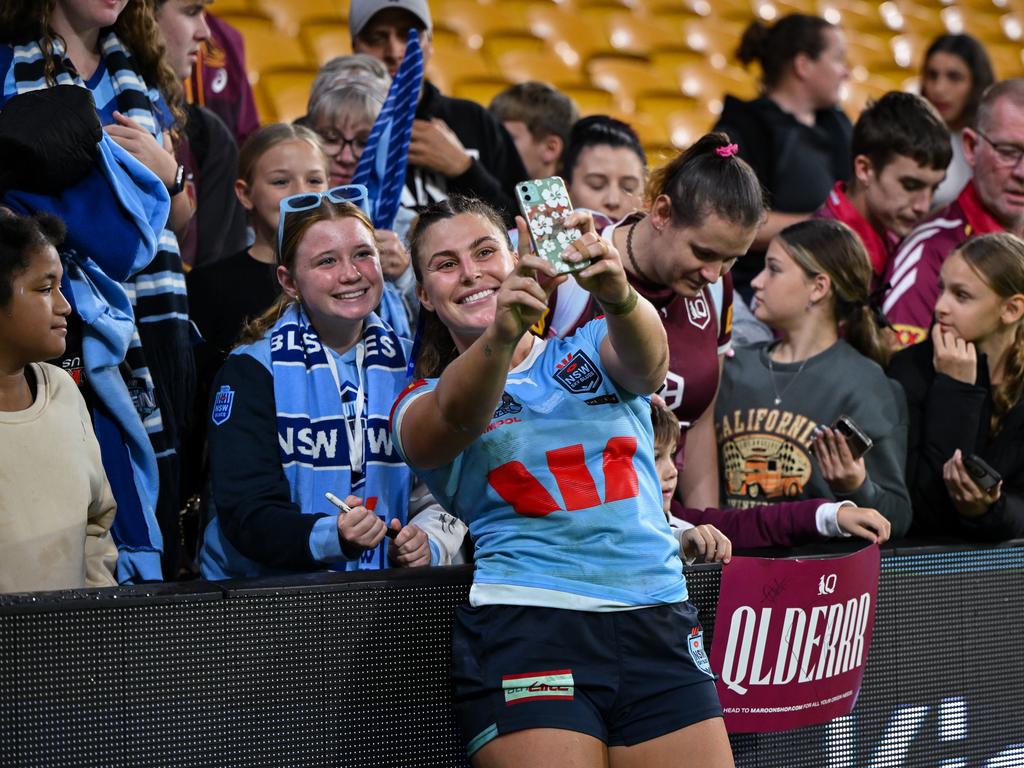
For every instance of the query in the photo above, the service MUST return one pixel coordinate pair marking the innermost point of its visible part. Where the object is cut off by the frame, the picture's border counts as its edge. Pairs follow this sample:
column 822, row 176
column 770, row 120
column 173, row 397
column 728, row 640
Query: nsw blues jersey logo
column 695, row 643
column 578, row 374
column 222, row 402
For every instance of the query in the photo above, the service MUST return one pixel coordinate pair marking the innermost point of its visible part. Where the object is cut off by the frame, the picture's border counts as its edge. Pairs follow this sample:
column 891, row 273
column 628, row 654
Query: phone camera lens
column 528, row 197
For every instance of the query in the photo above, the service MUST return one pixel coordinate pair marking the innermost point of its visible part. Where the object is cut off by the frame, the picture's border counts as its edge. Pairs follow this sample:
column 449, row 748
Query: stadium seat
column 479, row 89
column 290, row 15
column 287, row 91
column 265, row 47
column 643, row 36
column 233, row 6
column 543, row 66
column 623, row 77
column 590, row 100
column 325, row 39
column 449, row 65
column 1006, row 59
column 568, row 32
column 497, row 44
column 475, row 22
column 855, row 15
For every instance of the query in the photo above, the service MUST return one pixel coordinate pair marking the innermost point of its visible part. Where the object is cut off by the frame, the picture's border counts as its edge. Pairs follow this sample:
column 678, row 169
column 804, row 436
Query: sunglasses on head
column 348, row 193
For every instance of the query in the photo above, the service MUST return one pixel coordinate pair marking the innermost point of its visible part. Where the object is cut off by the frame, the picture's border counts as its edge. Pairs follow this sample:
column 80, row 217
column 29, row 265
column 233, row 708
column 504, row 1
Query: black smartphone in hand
column 983, row 475
column 857, row 440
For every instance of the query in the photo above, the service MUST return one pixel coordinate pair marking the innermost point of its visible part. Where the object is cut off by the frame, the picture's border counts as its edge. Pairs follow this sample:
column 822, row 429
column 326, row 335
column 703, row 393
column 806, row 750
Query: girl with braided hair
column 964, row 388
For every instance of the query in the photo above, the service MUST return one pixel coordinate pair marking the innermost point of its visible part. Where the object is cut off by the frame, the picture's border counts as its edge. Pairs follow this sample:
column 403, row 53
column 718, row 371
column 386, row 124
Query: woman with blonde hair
column 777, row 411
column 964, row 388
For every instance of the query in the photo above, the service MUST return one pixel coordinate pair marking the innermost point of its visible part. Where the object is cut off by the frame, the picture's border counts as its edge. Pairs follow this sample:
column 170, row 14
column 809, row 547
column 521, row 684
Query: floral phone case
column 544, row 203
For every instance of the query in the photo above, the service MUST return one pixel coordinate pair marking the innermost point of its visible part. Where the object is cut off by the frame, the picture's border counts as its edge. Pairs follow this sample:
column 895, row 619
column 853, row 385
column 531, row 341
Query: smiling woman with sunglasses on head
column 301, row 409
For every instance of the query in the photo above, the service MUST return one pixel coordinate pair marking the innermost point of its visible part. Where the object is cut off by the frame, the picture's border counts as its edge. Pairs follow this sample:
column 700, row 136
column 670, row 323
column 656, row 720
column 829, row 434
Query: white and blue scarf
column 332, row 420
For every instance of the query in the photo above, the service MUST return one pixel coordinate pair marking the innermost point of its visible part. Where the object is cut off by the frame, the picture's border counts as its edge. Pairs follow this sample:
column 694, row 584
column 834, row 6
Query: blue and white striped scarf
column 316, row 414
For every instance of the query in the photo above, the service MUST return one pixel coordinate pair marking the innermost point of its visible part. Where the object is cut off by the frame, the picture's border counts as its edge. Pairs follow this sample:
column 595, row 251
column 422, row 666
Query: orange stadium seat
column 265, row 46
column 325, row 39
column 290, row 15
column 1006, row 59
column 287, row 92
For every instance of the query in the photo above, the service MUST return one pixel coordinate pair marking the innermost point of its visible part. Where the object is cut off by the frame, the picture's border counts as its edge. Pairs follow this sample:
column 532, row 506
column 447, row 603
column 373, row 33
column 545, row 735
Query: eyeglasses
column 348, row 193
column 357, row 143
column 1007, row 155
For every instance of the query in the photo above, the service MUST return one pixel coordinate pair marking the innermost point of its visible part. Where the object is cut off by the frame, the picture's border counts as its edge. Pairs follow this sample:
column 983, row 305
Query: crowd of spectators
column 791, row 254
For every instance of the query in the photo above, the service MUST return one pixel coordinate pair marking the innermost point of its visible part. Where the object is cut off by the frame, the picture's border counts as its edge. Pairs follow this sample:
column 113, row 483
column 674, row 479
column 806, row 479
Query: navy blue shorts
column 623, row 677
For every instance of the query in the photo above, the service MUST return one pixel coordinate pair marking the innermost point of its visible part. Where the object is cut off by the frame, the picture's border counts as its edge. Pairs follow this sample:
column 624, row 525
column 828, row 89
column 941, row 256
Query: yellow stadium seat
column 855, row 15
column 643, row 35
column 287, row 91
column 290, row 15
column 571, row 35
column 715, row 38
column 498, row 44
column 543, row 66
column 623, row 77
column 480, row 90
column 265, row 47
column 589, row 99
column 449, row 65
column 1012, row 26
column 856, row 95
column 678, row 8
column 325, row 39
column 476, row 21
column 1006, row 60
column 233, row 6
column 698, row 79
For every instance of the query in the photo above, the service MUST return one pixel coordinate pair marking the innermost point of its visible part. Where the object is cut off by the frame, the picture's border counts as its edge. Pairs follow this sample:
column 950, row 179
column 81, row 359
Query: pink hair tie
column 728, row 150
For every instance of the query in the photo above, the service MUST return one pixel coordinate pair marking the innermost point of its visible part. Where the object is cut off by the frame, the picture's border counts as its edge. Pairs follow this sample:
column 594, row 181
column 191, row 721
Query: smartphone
column 981, row 473
column 545, row 203
column 857, row 440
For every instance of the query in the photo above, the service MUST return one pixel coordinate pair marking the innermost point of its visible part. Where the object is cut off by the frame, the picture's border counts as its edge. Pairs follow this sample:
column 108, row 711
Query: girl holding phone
column 964, row 388
column 779, row 399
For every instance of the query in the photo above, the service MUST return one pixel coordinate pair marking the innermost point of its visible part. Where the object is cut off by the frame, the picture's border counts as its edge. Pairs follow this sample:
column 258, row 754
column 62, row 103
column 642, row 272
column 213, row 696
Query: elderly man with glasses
column 992, row 202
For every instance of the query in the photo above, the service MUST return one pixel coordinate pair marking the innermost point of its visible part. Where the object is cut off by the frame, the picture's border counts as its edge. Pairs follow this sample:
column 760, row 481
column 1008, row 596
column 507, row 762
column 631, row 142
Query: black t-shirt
column 797, row 164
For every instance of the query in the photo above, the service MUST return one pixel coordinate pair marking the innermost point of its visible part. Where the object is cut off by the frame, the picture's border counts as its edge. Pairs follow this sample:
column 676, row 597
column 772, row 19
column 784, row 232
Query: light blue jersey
column 560, row 493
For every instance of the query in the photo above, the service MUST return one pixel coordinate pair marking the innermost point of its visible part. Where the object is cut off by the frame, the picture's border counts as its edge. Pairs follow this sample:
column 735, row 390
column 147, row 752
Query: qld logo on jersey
column 698, row 312
column 578, row 374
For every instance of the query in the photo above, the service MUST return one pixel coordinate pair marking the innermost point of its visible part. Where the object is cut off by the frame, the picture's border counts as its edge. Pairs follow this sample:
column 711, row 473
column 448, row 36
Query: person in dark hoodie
column 794, row 135
column 457, row 145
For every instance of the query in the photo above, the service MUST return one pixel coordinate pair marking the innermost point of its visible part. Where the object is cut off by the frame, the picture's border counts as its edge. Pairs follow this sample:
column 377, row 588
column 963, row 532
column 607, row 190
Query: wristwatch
column 179, row 181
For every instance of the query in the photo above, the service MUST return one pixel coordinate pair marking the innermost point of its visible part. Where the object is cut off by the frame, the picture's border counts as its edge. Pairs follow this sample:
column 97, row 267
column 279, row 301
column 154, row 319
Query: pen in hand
column 345, row 508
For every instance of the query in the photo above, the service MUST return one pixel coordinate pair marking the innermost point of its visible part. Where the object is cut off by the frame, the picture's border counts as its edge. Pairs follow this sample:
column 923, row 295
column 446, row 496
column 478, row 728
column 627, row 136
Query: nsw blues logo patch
column 578, row 374
column 222, row 403
column 695, row 644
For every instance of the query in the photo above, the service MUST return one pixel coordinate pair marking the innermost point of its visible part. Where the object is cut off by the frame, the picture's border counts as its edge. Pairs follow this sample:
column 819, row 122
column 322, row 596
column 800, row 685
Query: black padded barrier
column 353, row 670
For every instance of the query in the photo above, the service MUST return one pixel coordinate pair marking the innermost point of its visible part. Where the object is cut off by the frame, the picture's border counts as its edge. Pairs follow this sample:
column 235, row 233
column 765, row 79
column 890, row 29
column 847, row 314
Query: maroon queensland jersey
column 699, row 329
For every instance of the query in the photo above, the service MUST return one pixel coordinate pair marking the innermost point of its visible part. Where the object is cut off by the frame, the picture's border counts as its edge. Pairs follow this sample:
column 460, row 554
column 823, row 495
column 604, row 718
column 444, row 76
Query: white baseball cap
column 361, row 11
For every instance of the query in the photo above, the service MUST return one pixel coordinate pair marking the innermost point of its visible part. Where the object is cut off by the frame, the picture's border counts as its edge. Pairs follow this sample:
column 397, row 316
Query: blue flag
column 381, row 168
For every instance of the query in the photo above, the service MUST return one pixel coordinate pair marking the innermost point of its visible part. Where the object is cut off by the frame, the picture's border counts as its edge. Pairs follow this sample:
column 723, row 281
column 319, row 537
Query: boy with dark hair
column 900, row 150
column 56, row 506
column 539, row 119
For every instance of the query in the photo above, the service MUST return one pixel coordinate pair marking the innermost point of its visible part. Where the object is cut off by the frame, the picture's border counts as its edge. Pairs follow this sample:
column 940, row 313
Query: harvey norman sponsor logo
column 552, row 684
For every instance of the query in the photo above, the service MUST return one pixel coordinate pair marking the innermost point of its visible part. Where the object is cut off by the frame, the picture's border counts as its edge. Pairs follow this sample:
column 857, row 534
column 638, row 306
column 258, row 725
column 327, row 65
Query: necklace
column 629, row 252
column 785, row 389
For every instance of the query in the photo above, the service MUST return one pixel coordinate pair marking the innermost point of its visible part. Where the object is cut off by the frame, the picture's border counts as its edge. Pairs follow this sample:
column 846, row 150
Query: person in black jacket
column 457, row 145
column 794, row 135
column 964, row 391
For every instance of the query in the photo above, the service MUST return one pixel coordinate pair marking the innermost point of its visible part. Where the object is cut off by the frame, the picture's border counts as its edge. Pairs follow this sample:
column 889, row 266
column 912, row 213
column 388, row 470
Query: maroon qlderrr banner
column 792, row 638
